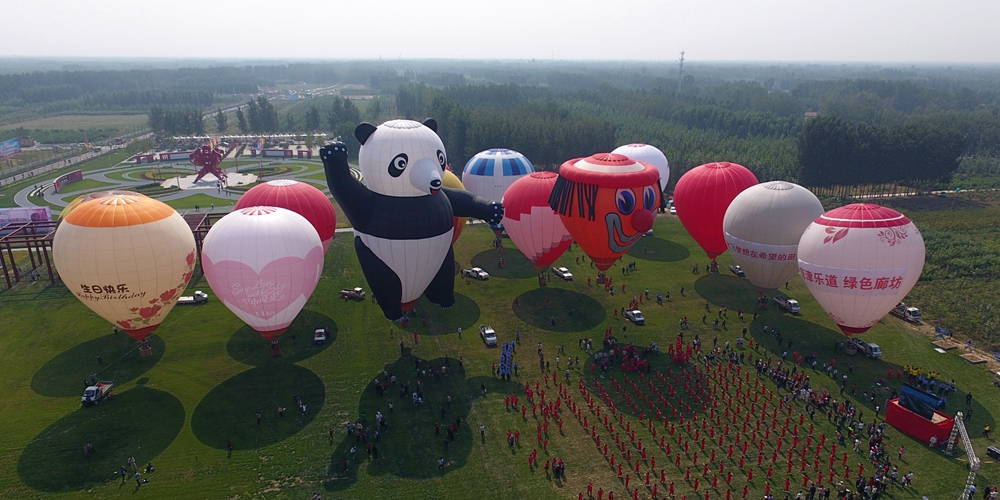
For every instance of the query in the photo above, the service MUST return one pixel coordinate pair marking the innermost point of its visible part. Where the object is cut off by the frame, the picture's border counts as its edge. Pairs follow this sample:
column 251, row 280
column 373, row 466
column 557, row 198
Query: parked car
column 737, row 270
column 563, row 273
column 648, row 233
column 906, row 313
column 356, row 293
column 320, row 335
column 476, row 274
column 635, row 316
column 95, row 393
column 488, row 334
column 673, row 210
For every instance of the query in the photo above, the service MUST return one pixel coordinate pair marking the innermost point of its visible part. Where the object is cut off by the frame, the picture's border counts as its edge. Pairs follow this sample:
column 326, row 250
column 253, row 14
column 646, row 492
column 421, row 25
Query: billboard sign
column 10, row 148
column 24, row 214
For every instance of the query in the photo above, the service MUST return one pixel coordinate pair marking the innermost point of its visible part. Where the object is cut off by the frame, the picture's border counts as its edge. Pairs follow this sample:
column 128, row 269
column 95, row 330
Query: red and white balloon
column 859, row 261
column 532, row 225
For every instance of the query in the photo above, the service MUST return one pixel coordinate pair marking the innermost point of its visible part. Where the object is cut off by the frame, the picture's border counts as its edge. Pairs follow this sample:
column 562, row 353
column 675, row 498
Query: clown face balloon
column 606, row 202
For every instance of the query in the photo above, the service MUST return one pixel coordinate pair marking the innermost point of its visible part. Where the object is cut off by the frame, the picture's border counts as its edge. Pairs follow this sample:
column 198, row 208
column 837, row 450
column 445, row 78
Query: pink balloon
column 263, row 263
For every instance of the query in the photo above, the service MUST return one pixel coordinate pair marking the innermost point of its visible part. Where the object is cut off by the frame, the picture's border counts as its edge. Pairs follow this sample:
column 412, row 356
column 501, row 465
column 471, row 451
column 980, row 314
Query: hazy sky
column 708, row 30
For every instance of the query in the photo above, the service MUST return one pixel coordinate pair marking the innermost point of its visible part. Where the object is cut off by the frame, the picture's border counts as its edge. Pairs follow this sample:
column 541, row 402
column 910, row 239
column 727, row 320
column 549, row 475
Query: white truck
column 790, row 305
column 198, row 298
column 905, row 313
column 93, row 394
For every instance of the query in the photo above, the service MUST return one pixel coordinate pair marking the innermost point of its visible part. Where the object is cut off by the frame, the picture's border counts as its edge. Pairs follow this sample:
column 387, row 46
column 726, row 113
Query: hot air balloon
column 650, row 155
column 702, row 196
column 489, row 173
column 859, row 261
column 533, row 226
column 263, row 263
column 126, row 257
column 763, row 226
column 450, row 180
column 87, row 197
column 606, row 202
column 298, row 197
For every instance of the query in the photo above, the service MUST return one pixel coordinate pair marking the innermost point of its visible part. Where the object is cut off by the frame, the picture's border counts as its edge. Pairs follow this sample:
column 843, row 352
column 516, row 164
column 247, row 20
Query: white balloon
column 859, row 261
column 648, row 154
column 763, row 226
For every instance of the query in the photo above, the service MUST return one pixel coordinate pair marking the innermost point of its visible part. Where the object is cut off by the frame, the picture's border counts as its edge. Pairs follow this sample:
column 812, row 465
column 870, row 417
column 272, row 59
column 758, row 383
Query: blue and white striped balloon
column 491, row 172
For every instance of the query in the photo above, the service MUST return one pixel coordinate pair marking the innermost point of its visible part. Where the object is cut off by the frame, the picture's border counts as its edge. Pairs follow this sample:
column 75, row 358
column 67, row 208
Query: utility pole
column 680, row 74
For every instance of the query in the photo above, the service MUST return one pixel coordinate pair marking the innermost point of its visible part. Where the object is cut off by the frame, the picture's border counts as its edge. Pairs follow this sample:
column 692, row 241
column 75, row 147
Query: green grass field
column 84, row 185
column 211, row 375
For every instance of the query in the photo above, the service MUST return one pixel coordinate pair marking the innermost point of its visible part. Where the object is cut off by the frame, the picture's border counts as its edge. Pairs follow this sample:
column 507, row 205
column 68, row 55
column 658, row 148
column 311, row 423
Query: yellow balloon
column 451, row 180
column 126, row 257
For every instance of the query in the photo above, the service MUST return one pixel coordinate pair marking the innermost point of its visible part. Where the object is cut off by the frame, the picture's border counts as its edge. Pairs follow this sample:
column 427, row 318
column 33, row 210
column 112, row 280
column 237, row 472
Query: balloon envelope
column 606, row 202
column 263, row 263
column 702, row 196
column 532, row 225
column 648, row 154
column 298, row 197
column 859, row 261
column 491, row 172
column 90, row 196
column 450, row 180
column 127, row 258
column 763, row 226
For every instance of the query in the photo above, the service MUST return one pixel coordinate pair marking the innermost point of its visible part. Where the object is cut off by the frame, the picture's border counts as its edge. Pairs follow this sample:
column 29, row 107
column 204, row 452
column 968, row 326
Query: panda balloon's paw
column 497, row 215
column 334, row 154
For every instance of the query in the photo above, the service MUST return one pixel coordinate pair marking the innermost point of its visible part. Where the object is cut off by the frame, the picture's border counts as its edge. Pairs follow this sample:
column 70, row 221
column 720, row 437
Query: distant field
column 79, row 121
column 84, row 185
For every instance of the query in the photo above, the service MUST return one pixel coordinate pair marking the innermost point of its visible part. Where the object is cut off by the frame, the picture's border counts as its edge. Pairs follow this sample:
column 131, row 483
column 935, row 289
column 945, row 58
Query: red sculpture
column 208, row 159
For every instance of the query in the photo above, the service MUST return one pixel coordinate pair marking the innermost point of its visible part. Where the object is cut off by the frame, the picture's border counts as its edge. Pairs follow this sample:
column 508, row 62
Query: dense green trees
column 176, row 121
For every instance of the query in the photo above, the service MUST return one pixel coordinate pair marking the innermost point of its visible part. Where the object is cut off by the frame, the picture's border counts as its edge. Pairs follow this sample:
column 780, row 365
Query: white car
column 563, row 273
column 673, row 210
column 320, row 335
column 488, row 334
column 635, row 316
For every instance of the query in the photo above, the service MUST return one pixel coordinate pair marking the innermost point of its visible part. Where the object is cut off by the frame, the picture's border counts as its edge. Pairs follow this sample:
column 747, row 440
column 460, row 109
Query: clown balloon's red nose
column 642, row 221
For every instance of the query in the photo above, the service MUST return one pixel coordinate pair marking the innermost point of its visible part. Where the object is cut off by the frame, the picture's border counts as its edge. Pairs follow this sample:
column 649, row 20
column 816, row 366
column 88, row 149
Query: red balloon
column 702, row 196
column 298, row 197
column 607, row 202
column 532, row 225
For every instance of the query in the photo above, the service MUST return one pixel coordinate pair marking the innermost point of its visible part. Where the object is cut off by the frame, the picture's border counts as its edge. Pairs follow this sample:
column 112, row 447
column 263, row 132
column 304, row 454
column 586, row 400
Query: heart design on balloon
column 270, row 291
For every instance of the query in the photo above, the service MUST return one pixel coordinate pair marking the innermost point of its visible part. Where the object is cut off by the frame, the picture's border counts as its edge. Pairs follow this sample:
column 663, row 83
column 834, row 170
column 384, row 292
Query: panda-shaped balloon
column 403, row 219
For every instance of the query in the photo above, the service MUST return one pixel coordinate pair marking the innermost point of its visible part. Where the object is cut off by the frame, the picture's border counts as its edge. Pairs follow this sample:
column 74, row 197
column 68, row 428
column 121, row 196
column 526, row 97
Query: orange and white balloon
column 127, row 257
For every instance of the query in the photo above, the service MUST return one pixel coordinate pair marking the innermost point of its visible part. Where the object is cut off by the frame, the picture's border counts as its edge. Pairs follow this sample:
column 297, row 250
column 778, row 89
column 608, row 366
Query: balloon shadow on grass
column 140, row 422
column 65, row 374
column 464, row 314
column 409, row 448
column 570, row 311
column 247, row 346
column 727, row 291
column 227, row 414
column 659, row 250
column 515, row 265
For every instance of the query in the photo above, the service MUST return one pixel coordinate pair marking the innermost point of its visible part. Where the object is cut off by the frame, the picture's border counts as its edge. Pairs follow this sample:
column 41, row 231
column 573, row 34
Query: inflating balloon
column 606, row 202
column 532, row 225
column 298, row 197
column 763, row 226
column 702, row 196
column 403, row 217
column 859, row 261
column 650, row 155
column 263, row 263
column 127, row 258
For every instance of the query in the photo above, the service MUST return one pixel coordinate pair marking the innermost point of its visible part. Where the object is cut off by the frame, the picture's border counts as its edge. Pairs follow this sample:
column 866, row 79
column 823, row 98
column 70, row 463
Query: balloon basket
column 145, row 351
column 602, row 278
column 275, row 349
column 542, row 280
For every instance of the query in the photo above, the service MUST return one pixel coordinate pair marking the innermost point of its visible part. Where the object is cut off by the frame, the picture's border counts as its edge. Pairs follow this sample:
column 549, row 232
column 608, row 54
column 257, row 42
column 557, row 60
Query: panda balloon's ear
column 431, row 124
column 364, row 131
